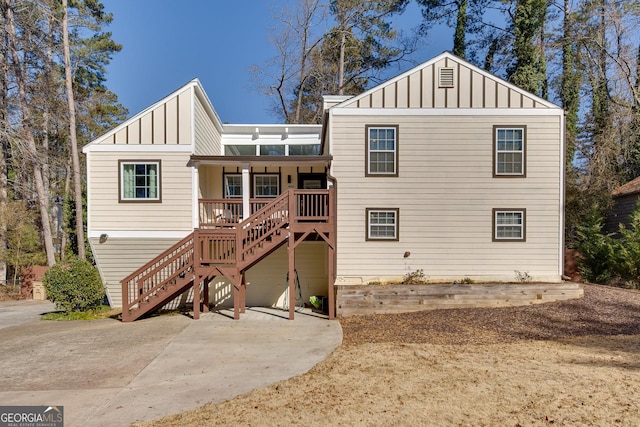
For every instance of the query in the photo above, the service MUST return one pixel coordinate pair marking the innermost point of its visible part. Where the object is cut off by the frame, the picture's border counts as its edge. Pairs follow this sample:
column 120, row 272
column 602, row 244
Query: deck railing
column 310, row 205
column 226, row 212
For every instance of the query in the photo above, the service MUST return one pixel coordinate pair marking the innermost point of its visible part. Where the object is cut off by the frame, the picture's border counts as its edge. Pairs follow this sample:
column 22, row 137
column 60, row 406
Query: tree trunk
column 4, row 147
column 343, row 43
column 459, row 44
column 30, row 145
column 77, row 183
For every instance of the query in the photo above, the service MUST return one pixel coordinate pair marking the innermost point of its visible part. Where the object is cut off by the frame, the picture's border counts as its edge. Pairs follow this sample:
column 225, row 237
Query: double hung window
column 382, row 224
column 266, row 185
column 382, row 151
column 509, row 225
column 509, row 151
column 232, row 185
column 140, row 181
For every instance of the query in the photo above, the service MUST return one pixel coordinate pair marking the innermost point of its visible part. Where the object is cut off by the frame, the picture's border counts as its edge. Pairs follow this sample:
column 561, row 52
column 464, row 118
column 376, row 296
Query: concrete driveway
column 108, row 373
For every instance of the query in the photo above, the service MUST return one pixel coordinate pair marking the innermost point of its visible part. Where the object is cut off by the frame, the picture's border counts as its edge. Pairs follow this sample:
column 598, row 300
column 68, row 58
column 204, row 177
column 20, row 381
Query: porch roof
column 263, row 160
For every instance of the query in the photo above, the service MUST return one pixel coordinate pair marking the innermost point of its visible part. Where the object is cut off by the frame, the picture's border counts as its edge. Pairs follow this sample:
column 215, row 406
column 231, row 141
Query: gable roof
column 466, row 86
column 173, row 99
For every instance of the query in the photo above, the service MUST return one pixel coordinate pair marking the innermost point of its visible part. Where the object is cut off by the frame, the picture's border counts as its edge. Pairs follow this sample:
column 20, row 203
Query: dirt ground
column 571, row 363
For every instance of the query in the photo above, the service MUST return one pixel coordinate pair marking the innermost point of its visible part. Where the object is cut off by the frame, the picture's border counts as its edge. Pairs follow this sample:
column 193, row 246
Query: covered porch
column 232, row 190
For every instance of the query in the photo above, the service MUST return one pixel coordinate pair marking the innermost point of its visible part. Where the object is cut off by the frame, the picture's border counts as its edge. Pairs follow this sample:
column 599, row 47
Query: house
column 445, row 169
column 625, row 199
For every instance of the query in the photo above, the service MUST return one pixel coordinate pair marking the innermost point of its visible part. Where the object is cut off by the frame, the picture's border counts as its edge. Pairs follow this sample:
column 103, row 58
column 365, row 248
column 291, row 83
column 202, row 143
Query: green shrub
column 414, row 278
column 74, row 285
column 625, row 259
column 596, row 250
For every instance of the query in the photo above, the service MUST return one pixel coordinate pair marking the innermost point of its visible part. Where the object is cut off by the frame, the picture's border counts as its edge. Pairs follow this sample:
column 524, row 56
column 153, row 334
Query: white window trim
column 522, row 152
column 522, row 226
column 369, row 128
column 256, row 175
column 122, row 197
column 226, row 195
column 396, row 213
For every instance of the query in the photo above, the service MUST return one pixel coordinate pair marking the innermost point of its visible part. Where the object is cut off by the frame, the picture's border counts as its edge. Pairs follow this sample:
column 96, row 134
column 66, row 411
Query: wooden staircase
column 228, row 252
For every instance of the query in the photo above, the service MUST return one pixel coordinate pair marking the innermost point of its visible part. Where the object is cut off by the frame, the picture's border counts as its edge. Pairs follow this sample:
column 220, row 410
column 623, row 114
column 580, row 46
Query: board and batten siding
column 174, row 212
column 167, row 123
column 207, row 137
column 119, row 257
column 419, row 88
column 445, row 193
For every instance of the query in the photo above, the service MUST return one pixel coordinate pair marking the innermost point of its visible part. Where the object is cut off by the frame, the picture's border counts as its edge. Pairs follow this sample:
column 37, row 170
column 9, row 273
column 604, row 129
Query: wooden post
column 197, row 267
column 243, row 292
column 236, row 303
column 205, row 295
column 292, row 273
column 196, row 298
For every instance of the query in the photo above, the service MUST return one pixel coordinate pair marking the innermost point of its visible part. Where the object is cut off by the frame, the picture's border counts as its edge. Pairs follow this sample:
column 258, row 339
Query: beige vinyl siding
column 173, row 213
column 445, row 193
column 207, row 136
column 420, row 89
column 167, row 123
column 267, row 281
column 118, row 257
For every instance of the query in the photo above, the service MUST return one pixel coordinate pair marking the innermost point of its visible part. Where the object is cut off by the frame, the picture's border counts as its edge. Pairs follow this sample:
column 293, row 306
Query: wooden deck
column 226, row 246
column 380, row 299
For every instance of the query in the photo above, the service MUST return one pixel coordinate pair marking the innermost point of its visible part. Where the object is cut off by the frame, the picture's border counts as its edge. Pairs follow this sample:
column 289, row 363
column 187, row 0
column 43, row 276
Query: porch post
column 246, row 190
column 292, row 272
column 196, row 298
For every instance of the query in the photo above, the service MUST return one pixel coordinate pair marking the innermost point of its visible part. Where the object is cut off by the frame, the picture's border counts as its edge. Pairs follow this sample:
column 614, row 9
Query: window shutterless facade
column 381, row 155
column 232, row 185
column 266, row 185
column 509, row 225
column 509, row 151
column 382, row 223
column 139, row 181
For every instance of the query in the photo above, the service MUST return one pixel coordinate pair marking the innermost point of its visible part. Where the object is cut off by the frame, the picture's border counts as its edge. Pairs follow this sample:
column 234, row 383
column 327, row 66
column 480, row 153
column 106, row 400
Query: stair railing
column 168, row 267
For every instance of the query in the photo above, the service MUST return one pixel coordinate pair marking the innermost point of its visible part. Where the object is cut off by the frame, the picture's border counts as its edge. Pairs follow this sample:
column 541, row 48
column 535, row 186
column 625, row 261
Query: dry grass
column 571, row 363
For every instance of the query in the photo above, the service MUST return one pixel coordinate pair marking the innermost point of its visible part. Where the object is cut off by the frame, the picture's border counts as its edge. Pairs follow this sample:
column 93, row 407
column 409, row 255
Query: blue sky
column 168, row 43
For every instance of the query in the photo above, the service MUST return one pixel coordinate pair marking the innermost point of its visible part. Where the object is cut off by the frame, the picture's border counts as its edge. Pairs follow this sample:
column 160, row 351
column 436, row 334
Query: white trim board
column 448, row 112
column 140, row 148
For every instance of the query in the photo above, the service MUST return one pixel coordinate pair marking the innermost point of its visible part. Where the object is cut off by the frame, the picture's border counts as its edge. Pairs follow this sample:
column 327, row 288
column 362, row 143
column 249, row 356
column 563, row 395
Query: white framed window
column 266, row 185
column 509, row 151
column 232, row 185
column 509, row 225
column 382, row 223
column 139, row 181
column 382, row 151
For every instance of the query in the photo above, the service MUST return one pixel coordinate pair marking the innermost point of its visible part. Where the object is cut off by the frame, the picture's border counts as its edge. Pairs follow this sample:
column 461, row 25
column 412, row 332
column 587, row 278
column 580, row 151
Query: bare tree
column 29, row 148
column 4, row 147
column 73, row 140
column 300, row 31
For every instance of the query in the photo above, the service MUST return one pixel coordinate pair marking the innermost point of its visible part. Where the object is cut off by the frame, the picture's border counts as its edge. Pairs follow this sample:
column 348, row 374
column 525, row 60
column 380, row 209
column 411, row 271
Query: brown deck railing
column 311, row 205
column 226, row 212
column 169, row 267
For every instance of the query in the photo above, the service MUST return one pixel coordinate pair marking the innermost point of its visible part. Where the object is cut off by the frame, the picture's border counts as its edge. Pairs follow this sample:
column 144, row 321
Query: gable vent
column 445, row 77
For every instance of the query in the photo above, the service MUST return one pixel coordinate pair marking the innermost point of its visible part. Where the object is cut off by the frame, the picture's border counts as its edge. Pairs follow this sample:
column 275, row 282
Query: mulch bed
column 602, row 311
